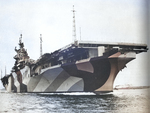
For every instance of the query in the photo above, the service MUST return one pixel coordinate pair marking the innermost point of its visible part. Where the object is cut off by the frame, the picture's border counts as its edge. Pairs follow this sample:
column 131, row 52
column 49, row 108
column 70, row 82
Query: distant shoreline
column 132, row 87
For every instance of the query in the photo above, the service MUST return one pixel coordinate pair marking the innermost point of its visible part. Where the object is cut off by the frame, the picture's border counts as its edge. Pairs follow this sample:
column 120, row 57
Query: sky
column 96, row 20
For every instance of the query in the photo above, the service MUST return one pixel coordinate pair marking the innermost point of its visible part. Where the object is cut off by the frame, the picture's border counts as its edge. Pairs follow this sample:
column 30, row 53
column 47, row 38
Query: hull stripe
column 33, row 83
column 68, row 83
column 79, row 86
column 57, row 82
column 42, row 85
column 47, row 79
column 85, row 66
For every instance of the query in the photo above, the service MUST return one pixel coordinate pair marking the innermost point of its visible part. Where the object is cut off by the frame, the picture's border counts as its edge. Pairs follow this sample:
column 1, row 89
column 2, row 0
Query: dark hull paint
column 92, row 81
column 95, row 75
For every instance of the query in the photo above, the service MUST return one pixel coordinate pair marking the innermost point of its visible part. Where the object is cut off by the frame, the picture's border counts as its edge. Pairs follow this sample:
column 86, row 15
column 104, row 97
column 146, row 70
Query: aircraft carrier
column 82, row 66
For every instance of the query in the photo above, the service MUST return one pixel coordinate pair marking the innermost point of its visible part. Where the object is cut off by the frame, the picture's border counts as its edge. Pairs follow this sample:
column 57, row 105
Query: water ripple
column 118, row 101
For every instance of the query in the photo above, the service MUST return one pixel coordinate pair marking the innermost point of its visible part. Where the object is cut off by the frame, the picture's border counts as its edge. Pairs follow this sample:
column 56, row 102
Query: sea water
column 119, row 101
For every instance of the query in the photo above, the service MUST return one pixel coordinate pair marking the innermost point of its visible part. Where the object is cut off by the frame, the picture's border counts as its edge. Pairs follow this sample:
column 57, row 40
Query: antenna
column 80, row 33
column 41, row 44
column 74, row 25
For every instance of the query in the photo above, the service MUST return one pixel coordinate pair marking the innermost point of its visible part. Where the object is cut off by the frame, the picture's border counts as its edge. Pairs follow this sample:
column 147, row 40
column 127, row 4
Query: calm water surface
column 120, row 101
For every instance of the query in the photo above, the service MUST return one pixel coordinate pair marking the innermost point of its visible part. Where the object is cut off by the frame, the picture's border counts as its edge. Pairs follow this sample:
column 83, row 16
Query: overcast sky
column 99, row 20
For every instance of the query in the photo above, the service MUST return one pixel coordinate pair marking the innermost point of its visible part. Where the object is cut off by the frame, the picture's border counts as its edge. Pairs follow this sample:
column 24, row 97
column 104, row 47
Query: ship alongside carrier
column 78, row 67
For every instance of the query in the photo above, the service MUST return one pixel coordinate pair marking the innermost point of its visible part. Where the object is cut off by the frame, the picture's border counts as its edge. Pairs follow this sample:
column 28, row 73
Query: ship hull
column 89, row 75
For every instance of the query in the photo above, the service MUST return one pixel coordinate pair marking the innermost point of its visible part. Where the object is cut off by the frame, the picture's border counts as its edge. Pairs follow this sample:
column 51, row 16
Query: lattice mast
column 74, row 26
column 41, row 44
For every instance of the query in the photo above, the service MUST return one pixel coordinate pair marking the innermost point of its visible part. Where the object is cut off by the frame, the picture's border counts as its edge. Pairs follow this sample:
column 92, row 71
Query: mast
column 41, row 44
column 20, row 39
column 74, row 26
column 80, row 33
